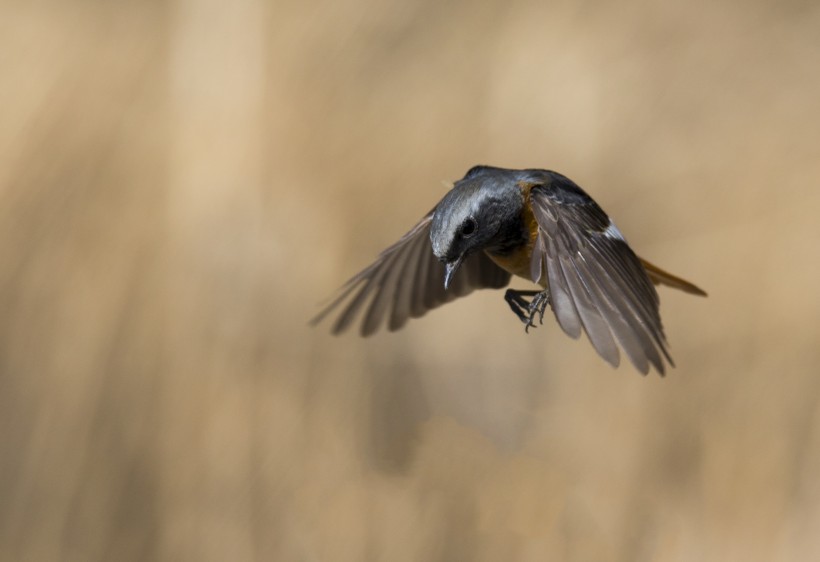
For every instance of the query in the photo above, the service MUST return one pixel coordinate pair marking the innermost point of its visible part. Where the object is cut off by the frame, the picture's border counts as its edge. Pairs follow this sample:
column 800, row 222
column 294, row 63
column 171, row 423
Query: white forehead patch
column 613, row 232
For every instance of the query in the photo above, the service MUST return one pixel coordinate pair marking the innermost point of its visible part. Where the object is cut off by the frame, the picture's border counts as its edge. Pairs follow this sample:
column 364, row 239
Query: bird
column 537, row 224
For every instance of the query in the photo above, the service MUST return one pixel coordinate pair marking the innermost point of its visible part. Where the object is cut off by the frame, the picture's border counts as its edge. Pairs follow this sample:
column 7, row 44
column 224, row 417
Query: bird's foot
column 538, row 305
column 527, row 311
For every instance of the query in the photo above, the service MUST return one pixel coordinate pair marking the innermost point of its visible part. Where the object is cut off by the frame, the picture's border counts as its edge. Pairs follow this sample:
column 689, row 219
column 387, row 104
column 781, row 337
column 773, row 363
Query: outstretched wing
column 406, row 281
column 596, row 281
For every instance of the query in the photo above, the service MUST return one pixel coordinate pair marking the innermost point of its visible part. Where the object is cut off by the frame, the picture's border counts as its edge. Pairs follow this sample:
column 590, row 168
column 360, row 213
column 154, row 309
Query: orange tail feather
column 659, row 276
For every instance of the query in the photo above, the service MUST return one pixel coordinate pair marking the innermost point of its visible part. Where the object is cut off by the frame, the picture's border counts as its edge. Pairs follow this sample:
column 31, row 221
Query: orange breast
column 517, row 262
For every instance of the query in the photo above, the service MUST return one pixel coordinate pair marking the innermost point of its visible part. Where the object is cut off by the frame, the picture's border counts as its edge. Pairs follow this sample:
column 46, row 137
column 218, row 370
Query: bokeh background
column 183, row 183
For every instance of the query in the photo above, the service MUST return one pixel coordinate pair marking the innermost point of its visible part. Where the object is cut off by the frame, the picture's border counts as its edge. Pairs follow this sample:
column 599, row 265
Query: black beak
column 450, row 269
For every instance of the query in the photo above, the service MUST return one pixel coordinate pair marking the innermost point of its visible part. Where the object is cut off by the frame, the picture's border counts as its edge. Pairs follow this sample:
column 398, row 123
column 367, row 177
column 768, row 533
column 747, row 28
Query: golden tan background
column 182, row 183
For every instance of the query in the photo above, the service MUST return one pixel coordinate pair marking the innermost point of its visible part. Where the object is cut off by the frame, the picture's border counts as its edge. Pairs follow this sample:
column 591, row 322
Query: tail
column 661, row 277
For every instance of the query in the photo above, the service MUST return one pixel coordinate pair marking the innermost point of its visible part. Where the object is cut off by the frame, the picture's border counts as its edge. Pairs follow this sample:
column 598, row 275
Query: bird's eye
column 468, row 227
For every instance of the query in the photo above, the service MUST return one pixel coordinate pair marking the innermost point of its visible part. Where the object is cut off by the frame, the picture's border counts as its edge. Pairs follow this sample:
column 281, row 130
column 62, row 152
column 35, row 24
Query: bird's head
column 471, row 216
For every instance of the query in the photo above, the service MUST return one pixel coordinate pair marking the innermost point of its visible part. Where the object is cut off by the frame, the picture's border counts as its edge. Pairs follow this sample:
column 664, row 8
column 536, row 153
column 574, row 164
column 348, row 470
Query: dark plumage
column 536, row 224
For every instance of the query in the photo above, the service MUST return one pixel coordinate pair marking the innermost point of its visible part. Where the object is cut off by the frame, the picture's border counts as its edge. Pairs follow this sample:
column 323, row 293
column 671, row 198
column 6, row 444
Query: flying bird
column 536, row 224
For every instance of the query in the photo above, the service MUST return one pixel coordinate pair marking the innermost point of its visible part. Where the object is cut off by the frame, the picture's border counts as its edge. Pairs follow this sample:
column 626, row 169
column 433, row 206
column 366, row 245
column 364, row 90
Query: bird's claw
column 527, row 311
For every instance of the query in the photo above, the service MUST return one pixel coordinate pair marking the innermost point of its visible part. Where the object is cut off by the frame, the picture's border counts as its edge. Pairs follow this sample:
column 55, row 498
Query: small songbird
column 536, row 224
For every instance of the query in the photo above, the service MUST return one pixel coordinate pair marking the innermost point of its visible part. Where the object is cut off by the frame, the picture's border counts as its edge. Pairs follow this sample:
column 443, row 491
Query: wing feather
column 596, row 281
column 563, row 304
column 402, row 306
column 406, row 281
column 595, row 326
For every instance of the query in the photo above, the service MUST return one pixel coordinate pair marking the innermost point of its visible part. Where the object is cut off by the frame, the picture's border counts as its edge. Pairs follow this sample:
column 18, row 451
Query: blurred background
column 183, row 183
